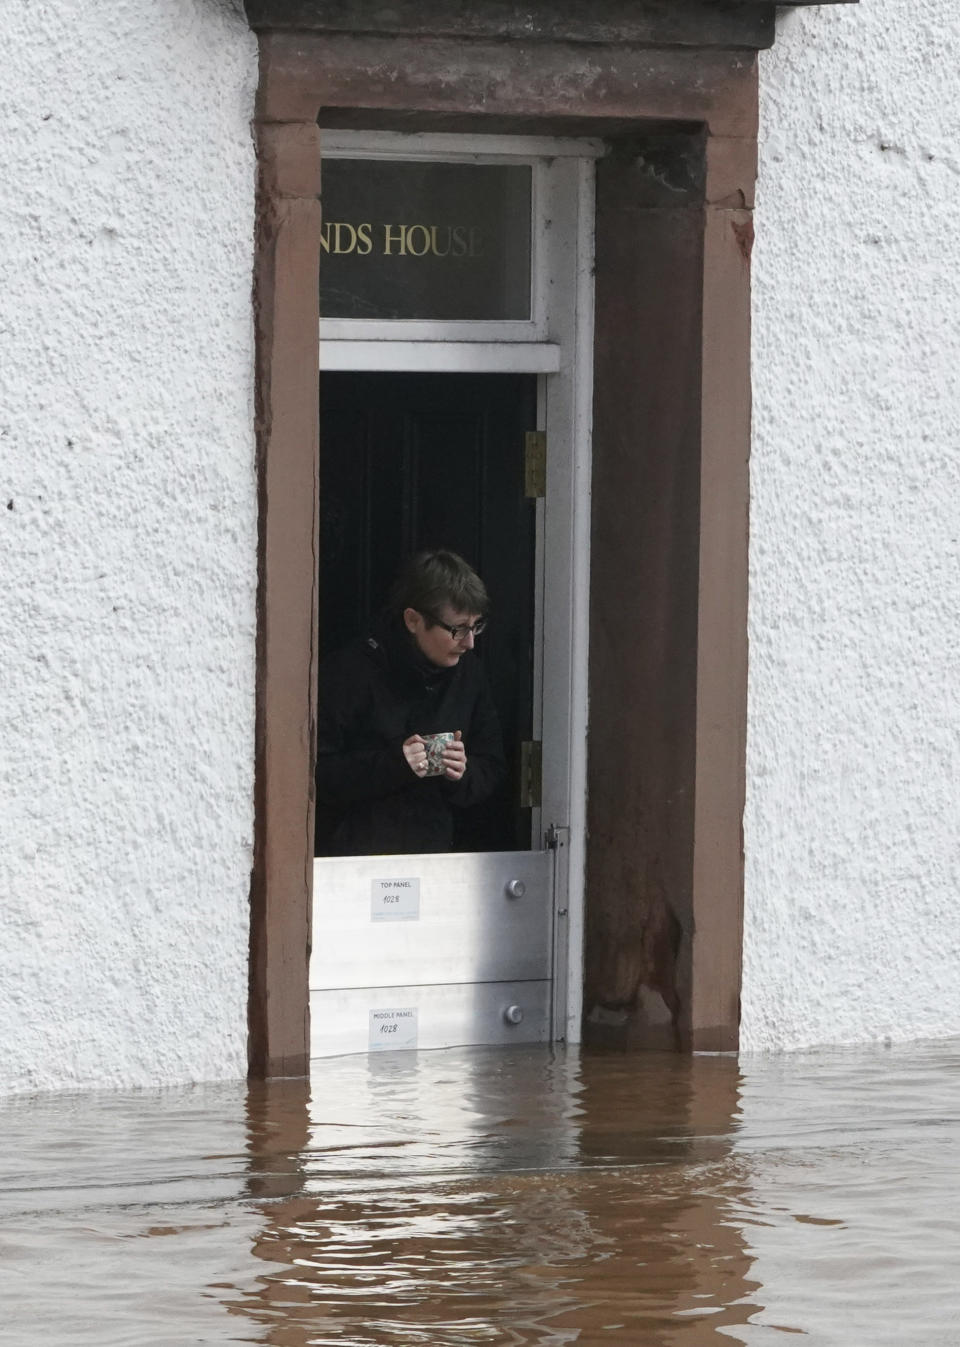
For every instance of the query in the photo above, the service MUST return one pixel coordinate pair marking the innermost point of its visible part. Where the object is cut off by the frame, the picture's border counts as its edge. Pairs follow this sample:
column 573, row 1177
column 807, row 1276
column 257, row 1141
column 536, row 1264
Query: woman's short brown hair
column 437, row 577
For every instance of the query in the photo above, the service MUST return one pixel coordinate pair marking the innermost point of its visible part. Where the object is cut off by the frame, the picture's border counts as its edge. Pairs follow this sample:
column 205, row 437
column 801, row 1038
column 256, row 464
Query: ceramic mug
column 435, row 744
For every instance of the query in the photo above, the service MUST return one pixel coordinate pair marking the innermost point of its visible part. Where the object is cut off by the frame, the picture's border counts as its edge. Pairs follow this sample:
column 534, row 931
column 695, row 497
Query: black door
column 409, row 461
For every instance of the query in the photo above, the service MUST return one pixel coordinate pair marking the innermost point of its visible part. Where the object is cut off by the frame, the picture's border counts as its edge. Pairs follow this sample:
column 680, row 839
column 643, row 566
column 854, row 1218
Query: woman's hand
column 415, row 753
column 455, row 758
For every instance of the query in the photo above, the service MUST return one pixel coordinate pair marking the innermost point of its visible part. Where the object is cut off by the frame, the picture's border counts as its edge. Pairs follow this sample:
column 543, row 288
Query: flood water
column 495, row 1196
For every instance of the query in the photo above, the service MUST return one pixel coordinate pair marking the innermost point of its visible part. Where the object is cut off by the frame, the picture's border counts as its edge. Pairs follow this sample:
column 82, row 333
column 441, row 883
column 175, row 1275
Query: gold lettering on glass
column 339, row 238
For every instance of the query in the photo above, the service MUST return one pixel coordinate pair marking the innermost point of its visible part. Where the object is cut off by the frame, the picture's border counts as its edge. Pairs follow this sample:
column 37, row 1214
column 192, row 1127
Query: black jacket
column 374, row 694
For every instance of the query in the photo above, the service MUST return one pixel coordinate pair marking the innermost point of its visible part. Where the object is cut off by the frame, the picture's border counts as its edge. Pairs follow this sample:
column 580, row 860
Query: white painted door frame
column 556, row 344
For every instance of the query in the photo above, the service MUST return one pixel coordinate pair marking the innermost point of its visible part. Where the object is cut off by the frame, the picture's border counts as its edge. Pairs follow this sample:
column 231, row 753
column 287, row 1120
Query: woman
column 414, row 675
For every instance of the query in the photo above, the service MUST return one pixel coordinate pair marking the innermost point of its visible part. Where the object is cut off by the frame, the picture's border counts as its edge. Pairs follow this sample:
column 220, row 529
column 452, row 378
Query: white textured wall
column 127, row 537
column 127, row 540
column 853, row 860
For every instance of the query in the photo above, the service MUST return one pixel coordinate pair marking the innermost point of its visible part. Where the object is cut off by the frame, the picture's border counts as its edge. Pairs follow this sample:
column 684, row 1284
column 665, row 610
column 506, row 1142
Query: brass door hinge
column 535, row 464
column 531, row 774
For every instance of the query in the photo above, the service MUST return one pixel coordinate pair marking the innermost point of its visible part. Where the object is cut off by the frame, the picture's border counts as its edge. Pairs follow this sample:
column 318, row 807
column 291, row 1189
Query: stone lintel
column 657, row 23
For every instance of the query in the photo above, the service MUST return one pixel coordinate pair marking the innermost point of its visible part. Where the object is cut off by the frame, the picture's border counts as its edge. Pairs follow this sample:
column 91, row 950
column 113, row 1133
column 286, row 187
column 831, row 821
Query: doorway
column 411, row 461
column 653, row 419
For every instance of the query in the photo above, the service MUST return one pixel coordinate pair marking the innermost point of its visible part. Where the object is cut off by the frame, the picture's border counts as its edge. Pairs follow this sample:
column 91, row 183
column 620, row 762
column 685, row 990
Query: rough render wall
column 852, row 825
column 128, row 549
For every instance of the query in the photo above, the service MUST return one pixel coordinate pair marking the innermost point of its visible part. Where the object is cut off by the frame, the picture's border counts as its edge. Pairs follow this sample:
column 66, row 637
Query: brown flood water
column 501, row 1197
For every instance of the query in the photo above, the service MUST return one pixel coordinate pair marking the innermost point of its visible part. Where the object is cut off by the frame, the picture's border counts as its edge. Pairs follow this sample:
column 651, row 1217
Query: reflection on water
column 491, row 1196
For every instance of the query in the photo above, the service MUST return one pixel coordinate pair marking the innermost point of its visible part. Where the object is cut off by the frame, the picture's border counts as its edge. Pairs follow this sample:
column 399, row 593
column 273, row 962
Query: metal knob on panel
column 513, row 1015
column 515, row 888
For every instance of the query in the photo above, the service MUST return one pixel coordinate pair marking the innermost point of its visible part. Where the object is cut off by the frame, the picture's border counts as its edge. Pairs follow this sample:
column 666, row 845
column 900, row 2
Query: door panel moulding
column 671, row 88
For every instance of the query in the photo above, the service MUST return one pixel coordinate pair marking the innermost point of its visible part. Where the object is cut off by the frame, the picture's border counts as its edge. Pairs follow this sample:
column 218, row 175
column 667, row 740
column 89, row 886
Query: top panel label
column 395, row 899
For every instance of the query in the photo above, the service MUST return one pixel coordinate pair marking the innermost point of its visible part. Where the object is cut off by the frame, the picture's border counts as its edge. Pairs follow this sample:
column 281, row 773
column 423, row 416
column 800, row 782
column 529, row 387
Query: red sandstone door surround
column 673, row 92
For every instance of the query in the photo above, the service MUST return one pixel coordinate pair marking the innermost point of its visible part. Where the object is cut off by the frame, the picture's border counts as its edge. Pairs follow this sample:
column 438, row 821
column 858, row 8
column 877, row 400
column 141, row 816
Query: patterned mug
column 435, row 744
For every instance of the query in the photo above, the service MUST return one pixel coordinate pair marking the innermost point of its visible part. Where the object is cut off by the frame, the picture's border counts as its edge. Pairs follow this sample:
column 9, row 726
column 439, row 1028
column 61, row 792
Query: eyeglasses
column 461, row 631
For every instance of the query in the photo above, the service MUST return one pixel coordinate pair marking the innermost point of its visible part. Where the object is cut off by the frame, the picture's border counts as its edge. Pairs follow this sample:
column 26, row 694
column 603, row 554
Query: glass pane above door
column 408, row 239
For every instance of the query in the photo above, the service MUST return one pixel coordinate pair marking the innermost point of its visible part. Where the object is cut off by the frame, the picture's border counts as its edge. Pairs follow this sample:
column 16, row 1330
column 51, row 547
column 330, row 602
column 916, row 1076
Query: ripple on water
column 484, row 1196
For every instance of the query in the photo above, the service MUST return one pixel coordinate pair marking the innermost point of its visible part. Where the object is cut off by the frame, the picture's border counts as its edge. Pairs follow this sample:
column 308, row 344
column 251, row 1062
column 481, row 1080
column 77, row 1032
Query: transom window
column 414, row 240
